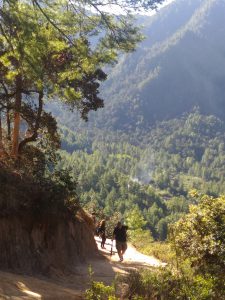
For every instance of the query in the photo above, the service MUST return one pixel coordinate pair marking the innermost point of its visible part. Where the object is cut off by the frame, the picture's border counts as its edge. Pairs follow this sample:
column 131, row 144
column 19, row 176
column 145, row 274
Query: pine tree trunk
column 8, row 125
column 0, row 131
column 1, row 141
column 17, row 107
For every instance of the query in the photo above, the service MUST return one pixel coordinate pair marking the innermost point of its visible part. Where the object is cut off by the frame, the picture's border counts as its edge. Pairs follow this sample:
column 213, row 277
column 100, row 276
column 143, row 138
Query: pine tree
column 56, row 49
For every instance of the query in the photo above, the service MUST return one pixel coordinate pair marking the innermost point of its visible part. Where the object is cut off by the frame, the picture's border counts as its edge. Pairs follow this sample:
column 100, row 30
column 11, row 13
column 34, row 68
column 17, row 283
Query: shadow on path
column 68, row 287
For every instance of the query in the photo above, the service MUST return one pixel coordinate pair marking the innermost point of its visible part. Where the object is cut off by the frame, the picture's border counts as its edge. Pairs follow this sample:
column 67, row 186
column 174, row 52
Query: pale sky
column 160, row 6
column 116, row 10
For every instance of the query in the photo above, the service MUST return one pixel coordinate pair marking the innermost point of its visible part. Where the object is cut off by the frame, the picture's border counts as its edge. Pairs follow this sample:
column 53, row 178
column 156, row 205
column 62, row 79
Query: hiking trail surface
column 72, row 286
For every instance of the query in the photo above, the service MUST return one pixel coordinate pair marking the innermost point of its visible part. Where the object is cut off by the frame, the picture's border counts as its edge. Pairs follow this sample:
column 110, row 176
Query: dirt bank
column 44, row 245
column 39, row 232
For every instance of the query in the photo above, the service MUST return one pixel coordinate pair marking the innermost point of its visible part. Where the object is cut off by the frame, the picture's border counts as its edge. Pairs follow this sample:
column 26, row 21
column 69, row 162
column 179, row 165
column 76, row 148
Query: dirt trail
column 132, row 258
column 68, row 287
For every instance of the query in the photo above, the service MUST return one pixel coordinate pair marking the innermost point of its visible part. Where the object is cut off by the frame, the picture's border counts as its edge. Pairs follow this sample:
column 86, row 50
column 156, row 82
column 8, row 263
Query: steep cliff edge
column 38, row 236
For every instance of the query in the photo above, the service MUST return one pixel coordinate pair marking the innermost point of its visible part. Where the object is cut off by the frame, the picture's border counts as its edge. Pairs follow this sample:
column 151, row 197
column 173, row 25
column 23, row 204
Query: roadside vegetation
column 196, row 270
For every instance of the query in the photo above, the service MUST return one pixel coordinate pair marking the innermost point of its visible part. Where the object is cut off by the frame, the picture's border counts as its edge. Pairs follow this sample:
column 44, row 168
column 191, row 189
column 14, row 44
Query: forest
column 167, row 185
column 151, row 173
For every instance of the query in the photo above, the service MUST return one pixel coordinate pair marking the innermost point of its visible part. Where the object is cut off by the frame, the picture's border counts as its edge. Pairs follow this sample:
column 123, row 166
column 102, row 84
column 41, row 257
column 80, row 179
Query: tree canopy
column 56, row 49
column 200, row 235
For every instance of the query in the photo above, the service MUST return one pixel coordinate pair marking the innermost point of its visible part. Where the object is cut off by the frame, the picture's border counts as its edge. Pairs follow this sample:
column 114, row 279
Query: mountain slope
column 183, row 67
column 180, row 65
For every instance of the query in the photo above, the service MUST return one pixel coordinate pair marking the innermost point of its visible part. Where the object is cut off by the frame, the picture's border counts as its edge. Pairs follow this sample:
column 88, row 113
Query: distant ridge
column 180, row 65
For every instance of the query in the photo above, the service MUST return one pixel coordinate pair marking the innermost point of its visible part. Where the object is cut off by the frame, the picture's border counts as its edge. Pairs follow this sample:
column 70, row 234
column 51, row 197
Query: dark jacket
column 120, row 234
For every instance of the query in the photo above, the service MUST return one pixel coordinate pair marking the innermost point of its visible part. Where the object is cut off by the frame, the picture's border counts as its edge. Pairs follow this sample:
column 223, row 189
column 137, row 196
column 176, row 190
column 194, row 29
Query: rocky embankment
column 38, row 238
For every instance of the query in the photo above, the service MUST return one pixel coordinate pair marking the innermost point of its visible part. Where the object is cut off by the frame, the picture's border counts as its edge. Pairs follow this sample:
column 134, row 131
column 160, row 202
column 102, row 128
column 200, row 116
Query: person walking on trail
column 101, row 231
column 93, row 216
column 120, row 235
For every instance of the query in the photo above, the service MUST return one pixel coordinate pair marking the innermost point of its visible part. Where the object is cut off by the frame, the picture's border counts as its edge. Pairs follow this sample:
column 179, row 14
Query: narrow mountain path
column 132, row 257
column 68, row 287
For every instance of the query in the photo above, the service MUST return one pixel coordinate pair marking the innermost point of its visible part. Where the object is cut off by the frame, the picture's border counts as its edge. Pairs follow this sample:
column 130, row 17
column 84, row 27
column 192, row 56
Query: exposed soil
column 44, row 245
column 41, row 231
column 72, row 286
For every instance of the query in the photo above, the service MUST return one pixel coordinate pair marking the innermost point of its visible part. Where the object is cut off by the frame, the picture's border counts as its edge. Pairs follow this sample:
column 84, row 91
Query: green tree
column 200, row 237
column 162, row 228
column 135, row 219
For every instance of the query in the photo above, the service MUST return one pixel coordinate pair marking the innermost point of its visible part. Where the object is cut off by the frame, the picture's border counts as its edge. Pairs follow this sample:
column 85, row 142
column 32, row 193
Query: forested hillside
column 161, row 132
column 151, row 174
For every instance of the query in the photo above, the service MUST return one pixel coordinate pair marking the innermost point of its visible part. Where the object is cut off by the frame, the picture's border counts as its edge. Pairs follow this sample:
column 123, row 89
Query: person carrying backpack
column 101, row 231
column 120, row 235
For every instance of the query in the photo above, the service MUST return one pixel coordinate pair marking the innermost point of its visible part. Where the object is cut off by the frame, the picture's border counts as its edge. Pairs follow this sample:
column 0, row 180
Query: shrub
column 100, row 291
column 166, row 284
column 160, row 250
column 200, row 237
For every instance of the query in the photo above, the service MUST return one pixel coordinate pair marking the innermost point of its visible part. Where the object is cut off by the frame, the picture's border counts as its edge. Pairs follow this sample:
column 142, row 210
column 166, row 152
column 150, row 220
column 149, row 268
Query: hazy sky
column 165, row 3
column 116, row 10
